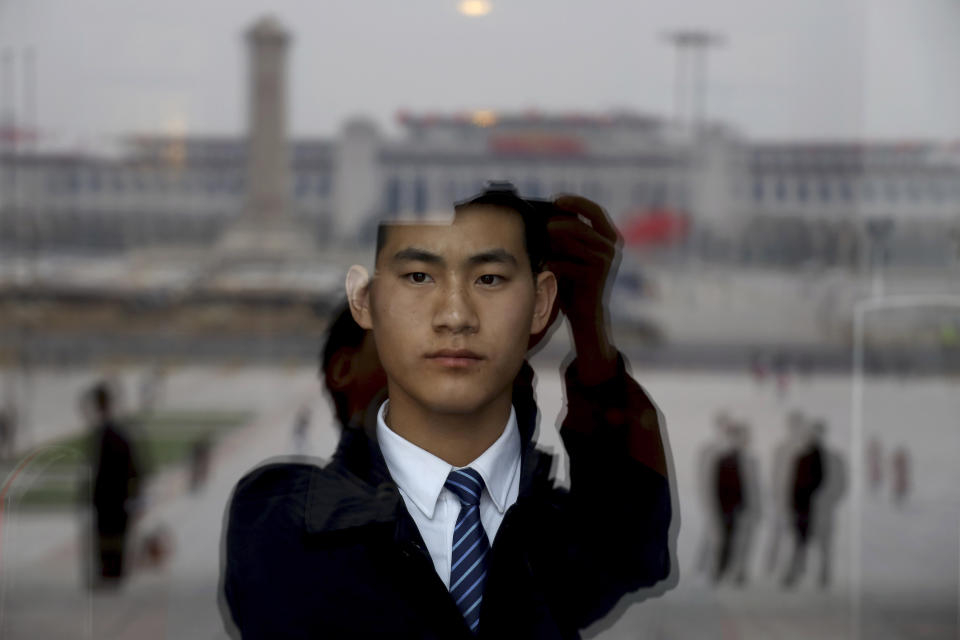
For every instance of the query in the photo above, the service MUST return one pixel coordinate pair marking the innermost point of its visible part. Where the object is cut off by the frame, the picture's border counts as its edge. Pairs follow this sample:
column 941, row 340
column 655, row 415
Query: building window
column 824, row 191
column 419, row 195
column 893, row 194
column 640, row 193
column 845, row 191
column 936, row 193
column 781, row 190
column 659, row 195
column 323, row 184
column 303, row 186
column 450, row 194
column 913, row 190
column 758, row 190
column 592, row 190
column 392, row 196
column 802, row 190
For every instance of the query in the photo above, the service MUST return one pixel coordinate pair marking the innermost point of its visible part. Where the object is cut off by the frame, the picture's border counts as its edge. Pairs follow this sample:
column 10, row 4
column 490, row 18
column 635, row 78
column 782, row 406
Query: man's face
column 452, row 308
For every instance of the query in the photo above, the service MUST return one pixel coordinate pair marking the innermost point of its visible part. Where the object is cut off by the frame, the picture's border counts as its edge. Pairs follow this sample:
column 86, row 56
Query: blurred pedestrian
column 827, row 504
column 115, row 486
column 807, row 478
column 736, row 505
column 781, row 372
column 780, row 489
column 301, row 431
column 874, row 465
column 8, row 431
column 200, row 463
column 706, row 560
column 900, row 476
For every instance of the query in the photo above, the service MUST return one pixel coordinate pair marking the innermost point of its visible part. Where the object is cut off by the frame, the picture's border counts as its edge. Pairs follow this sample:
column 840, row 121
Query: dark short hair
column 504, row 195
column 344, row 332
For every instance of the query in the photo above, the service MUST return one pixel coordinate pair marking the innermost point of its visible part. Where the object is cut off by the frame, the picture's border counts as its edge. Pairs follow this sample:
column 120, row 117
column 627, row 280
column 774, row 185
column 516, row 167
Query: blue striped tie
column 468, row 563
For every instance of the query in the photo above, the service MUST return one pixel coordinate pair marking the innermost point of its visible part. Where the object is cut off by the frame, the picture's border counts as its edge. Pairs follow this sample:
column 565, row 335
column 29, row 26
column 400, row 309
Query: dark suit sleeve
column 262, row 541
column 619, row 503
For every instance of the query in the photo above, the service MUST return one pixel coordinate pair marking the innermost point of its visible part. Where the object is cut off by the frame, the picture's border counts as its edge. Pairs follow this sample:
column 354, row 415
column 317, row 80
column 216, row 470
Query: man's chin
column 456, row 401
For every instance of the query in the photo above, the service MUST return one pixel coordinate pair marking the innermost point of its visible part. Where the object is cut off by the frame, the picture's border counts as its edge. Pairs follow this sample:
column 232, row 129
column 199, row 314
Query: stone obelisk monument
column 266, row 228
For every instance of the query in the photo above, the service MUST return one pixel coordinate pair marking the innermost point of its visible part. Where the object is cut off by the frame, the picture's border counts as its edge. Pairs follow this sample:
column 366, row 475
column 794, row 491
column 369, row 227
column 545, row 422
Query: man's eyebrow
column 412, row 254
column 501, row 256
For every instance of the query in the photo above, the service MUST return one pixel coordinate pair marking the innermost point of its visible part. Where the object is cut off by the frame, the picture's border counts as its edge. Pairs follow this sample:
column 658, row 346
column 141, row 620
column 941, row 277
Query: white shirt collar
column 421, row 475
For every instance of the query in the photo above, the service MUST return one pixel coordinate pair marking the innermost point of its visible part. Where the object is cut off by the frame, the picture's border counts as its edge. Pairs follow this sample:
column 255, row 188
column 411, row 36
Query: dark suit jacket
column 115, row 478
column 333, row 553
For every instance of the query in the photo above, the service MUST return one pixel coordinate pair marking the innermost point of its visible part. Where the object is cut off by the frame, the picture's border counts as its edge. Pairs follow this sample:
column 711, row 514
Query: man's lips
column 454, row 358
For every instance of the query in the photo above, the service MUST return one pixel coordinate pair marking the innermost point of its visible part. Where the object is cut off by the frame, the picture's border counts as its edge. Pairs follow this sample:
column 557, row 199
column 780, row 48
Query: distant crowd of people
column 807, row 481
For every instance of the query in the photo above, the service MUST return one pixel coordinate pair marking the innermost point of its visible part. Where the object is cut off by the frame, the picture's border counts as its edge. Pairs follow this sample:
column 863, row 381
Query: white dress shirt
column 420, row 476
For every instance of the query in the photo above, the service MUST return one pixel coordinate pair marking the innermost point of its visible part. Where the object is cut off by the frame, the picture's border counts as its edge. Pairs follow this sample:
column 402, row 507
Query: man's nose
column 456, row 311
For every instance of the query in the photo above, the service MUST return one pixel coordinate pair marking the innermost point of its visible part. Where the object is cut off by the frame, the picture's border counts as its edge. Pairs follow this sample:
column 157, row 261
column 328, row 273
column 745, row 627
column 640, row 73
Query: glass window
column 781, row 190
column 758, row 190
column 802, row 190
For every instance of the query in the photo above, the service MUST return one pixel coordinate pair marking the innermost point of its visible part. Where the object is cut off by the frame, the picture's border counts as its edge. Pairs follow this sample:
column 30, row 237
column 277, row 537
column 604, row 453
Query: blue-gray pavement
column 909, row 553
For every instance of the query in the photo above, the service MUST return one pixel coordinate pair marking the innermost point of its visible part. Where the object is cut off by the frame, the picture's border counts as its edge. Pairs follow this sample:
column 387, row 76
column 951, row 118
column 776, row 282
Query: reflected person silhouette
column 807, row 475
column 116, row 481
column 735, row 493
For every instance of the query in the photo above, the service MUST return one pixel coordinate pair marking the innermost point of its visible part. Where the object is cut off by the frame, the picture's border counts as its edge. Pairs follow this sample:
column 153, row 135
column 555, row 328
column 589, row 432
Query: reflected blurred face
column 452, row 307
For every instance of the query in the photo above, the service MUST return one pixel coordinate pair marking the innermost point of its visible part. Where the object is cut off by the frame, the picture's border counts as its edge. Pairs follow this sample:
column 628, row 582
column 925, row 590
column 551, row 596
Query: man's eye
column 490, row 279
column 417, row 277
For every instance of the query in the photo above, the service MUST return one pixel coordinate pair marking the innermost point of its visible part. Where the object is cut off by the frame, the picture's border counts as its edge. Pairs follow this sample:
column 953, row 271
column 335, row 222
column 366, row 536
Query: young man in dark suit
column 445, row 522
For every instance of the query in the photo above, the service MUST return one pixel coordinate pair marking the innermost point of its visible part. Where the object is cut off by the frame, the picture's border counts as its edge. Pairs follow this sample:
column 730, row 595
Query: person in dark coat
column 115, row 486
column 730, row 500
column 343, row 551
column 807, row 479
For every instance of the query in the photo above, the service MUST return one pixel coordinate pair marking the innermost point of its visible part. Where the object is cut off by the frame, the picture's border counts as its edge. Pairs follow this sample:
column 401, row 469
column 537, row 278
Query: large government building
column 714, row 195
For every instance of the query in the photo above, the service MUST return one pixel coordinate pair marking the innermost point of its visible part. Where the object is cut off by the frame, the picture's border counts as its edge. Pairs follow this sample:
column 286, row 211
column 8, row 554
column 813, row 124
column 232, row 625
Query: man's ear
column 358, row 295
column 545, row 296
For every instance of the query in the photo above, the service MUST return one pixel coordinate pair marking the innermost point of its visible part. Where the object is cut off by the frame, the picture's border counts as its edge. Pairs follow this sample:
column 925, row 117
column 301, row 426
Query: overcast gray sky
column 799, row 69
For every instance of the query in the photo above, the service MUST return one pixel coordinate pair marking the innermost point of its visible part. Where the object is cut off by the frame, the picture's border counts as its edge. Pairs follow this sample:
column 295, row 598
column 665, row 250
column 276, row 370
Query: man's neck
column 458, row 439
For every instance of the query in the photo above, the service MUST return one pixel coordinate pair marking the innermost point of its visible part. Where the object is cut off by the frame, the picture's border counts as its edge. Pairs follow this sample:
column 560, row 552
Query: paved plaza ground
column 909, row 554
